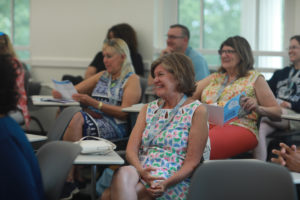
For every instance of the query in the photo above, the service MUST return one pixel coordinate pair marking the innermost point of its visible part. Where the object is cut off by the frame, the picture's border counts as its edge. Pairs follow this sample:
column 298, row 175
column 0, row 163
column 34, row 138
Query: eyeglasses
column 293, row 47
column 226, row 52
column 172, row 37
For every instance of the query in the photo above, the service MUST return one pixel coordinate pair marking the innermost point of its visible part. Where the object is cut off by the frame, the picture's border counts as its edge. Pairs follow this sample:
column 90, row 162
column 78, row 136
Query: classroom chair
column 241, row 179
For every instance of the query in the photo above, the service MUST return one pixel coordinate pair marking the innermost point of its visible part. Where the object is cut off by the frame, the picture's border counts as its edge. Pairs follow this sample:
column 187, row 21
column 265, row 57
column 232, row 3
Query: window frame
column 171, row 13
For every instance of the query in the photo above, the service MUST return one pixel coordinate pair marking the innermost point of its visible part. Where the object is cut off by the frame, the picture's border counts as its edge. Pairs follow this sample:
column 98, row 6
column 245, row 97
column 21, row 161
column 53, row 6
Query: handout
column 219, row 115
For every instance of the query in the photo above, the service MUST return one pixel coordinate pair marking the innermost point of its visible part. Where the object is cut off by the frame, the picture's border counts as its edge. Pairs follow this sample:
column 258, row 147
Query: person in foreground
column 169, row 138
column 21, row 114
column 104, row 95
column 237, row 75
column 287, row 156
column 285, row 84
column 19, row 169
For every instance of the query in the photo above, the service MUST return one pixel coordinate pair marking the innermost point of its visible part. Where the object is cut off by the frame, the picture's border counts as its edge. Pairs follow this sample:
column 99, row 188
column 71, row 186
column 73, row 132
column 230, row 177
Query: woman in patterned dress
column 169, row 139
column 237, row 75
column 103, row 97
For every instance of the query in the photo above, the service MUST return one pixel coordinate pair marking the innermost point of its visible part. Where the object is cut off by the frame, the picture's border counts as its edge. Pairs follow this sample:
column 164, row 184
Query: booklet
column 219, row 115
column 65, row 88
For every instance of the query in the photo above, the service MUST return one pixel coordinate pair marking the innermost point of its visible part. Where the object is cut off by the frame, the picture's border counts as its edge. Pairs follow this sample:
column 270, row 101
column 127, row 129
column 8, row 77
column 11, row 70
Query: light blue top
column 200, row 64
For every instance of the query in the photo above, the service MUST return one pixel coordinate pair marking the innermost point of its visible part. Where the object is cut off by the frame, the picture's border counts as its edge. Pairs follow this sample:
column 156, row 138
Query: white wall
column 66, row 34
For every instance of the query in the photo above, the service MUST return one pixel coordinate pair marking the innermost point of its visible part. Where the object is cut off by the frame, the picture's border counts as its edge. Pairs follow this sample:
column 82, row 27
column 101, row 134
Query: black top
column 136, row 59
column 285, row 87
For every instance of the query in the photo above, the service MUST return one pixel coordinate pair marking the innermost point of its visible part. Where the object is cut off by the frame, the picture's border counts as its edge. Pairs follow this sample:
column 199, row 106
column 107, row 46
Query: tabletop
column 36, row 138
column 291, row 117
column 44, row 100
column 111, row 158
column 133, row 108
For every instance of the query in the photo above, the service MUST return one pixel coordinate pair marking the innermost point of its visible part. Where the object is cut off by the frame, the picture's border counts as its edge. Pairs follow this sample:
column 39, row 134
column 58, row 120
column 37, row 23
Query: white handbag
column 95, row 145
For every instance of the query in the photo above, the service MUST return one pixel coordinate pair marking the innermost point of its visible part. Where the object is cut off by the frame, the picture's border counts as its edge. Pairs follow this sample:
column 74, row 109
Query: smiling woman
column 236, row 75
column 171, row 131
column 103, row 97
column 285, row 84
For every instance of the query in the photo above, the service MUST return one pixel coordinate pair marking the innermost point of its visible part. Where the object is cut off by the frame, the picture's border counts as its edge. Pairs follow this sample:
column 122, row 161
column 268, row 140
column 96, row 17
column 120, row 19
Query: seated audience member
column 169, row 139
column 287, row 156
column 237, row 75
column 285, row 84
column 19, row 169
column 6, row 49
column 128, row 34
column 178, row 41
column 104, row 95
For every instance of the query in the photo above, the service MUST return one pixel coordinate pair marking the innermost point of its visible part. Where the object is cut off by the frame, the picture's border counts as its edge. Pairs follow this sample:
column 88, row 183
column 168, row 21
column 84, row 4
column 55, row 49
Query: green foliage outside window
column 20, row 23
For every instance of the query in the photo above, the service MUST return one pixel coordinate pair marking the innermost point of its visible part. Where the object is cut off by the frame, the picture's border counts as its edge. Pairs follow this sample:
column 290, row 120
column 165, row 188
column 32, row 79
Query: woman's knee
column 126, row 175
column 77, row 120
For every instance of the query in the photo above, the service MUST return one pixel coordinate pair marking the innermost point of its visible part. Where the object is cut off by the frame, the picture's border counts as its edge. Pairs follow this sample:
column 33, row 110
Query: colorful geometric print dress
column 167, row 150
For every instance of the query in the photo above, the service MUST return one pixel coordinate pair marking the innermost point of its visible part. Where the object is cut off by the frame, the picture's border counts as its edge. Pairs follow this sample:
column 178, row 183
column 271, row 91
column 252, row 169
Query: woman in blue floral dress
column 169, row 139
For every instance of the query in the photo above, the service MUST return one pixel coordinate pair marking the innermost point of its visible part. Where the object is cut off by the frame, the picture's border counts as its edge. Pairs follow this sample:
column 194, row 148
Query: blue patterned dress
column 167, row 150
column 106, row 126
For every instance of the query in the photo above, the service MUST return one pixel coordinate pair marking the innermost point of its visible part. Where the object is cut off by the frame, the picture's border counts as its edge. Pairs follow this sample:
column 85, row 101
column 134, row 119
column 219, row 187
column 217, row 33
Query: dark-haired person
column 19, row 169
column 285, row 84
column 6, row 49
column 128, row 34
column 237, row 75
column 168, row 140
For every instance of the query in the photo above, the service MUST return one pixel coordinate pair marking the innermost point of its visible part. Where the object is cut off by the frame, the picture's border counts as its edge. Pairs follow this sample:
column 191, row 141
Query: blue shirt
column 20, row 176
column 200, row 64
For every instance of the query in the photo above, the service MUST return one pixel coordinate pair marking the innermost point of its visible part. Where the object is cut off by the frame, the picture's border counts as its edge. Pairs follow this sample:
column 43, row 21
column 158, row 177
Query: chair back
column 241, row 179
column 61, row 123
column 55, row 160
column 143, row 83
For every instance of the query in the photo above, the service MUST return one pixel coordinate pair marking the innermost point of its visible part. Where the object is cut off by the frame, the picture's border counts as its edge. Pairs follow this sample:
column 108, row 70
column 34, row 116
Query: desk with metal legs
column 111, row 158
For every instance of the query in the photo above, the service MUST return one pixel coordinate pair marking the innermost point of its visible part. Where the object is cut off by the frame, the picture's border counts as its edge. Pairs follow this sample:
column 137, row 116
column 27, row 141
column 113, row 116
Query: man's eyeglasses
column 293, row 47
column 226, row 52
column 172, row 37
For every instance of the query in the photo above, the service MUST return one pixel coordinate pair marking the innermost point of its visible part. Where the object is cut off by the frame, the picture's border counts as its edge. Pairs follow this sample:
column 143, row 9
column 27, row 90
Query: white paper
column 65, row 88
column 219, row 115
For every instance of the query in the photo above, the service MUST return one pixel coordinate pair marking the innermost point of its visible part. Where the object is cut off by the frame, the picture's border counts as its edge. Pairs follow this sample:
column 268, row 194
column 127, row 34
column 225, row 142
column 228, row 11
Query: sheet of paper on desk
column 65, row 88
column 57, row 100
column 219, row 115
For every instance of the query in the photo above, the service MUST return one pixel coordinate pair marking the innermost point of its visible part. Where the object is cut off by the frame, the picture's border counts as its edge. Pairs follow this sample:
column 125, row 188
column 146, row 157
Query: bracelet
column 100, row 105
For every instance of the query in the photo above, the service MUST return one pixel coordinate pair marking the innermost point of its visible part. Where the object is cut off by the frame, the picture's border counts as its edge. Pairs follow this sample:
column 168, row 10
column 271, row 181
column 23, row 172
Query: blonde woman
column 103, row 97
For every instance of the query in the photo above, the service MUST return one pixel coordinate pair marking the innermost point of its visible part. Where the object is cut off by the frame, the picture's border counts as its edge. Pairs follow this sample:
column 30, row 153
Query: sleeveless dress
column 106, row 126
column 167, row 150
column 243, row 84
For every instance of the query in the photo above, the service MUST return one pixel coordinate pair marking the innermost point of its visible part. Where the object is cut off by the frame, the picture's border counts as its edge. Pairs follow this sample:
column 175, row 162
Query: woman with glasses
column 103, row 97
column 237, row 75
column 285, row 85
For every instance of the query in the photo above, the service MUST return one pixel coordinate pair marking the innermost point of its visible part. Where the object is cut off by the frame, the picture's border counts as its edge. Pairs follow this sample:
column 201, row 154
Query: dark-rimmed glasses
column 226, row 52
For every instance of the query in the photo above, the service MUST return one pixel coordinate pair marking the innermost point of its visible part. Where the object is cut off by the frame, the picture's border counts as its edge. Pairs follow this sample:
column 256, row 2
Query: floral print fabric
column 246, row 84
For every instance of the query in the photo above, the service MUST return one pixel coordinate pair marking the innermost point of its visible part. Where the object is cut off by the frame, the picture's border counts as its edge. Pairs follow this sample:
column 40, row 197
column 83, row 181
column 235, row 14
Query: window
column 14, row 15
column 262, row 22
